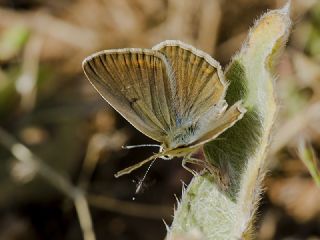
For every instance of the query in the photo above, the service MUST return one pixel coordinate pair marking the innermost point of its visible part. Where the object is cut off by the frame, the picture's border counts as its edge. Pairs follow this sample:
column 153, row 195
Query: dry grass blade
column 23, row 154
column 26, row 83
column 39, row 21
column 309, row 158
column 129, row 208
column 292, row 127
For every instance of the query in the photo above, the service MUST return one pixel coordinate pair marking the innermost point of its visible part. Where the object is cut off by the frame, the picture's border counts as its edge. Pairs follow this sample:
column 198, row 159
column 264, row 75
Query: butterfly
column 172, row 93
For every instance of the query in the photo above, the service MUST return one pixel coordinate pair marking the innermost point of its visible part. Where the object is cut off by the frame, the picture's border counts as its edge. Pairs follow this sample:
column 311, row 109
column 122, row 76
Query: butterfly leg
column 202, row 163
column 185, row 160
column 205, row 164
column 199, row 162
column 222, row 179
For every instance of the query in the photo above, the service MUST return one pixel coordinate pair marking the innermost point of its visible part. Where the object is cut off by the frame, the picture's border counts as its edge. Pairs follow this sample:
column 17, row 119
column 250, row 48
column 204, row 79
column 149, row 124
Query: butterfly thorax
column 178, row 152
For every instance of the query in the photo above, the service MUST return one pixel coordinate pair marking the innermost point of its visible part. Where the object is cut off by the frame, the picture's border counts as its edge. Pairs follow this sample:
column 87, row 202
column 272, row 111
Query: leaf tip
column 286, row 9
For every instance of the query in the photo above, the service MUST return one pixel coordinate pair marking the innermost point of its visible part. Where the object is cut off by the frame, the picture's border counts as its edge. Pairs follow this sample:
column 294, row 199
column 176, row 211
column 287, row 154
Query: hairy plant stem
column 240, row 152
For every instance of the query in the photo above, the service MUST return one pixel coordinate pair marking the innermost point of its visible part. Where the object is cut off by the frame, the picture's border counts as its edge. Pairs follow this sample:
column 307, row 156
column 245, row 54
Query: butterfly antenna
column 141, row 145
column 144, row 177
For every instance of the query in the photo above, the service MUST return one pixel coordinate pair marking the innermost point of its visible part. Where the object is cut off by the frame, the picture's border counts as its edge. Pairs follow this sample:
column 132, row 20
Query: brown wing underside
column 134, row 82
column 198, row 80
column 160, row 90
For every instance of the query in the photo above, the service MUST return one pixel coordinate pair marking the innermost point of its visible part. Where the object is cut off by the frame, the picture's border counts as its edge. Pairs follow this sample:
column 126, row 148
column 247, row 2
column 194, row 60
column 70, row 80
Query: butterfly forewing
column 135, row 82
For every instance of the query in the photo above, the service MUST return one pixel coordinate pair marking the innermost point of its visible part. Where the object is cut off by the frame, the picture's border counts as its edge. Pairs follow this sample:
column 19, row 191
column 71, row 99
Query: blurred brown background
column 48, row 105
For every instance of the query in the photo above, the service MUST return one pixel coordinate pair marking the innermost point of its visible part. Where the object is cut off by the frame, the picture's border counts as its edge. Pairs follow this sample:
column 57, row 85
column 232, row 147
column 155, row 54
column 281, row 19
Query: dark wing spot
column 133, row 101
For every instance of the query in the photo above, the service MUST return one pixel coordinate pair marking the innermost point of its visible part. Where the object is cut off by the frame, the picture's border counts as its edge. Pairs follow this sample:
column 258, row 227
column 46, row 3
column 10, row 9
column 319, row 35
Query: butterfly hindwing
column 213, row 129
column 198, row 79
column 198, row 89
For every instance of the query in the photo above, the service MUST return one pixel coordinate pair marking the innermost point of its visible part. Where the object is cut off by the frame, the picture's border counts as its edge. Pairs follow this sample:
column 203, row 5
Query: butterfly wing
column 162, row 91
column 135, row 83
column 212, row 129
column 198, row 89
column 199, row 81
